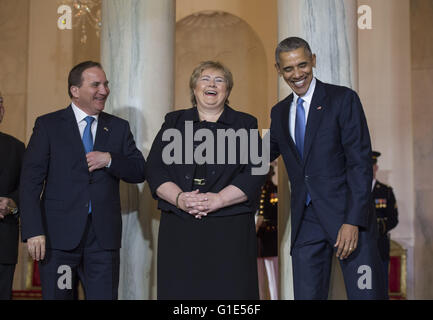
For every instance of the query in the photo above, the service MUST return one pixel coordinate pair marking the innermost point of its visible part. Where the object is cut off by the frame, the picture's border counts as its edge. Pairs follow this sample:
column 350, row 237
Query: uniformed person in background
column 267, row 236
column 386, row 213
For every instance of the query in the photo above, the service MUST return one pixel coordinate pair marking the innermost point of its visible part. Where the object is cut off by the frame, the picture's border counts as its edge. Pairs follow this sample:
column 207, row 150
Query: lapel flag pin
column 319, row 108
column 106, row 129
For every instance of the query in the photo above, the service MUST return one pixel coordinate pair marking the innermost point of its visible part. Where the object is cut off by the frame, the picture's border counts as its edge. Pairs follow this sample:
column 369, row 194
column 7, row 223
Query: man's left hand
column 347, row 240
column 97, row 160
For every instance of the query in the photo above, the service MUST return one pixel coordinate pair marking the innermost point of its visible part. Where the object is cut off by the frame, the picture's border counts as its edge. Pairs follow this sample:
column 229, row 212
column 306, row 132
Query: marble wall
column 138, row 54
column 421, row 17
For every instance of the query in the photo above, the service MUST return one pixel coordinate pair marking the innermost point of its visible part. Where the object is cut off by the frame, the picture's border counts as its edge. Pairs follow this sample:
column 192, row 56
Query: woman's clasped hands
column 199, row 204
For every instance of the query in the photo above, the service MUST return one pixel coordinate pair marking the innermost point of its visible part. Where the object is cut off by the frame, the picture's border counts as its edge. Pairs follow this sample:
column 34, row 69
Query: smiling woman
column 210, row 86
column 207, row 208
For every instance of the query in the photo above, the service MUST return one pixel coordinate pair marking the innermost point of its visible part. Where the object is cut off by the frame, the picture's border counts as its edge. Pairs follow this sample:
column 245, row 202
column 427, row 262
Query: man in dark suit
column 12, row 151
column 386, row 213
column 69, row 190
column 321, row 132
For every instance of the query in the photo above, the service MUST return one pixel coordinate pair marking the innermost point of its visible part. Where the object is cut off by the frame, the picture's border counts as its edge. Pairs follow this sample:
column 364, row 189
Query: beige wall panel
column 262, row 17
column 385, row 92
column 228, row 39
column 13, row 64
column 421, row 16
column 50, row 60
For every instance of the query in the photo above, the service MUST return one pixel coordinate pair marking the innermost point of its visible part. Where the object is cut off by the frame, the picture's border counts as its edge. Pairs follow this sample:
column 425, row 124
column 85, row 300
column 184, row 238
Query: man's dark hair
column 75, row 75
column 290, row 44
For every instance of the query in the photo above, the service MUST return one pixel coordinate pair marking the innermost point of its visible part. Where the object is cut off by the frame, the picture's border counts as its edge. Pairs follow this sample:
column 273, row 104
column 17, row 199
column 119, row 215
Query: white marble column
column 137, row 53
column 330, row 27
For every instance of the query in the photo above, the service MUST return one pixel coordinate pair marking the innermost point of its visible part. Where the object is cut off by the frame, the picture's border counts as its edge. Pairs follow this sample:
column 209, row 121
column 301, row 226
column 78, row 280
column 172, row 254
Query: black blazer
column 12, row 152
column 55, row 163
column 218, row 176
column 336, row 167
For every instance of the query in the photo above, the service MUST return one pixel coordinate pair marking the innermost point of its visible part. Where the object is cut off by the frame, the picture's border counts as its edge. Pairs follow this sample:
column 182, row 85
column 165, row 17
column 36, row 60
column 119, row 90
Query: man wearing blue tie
column 321, row 132
column 71, row 216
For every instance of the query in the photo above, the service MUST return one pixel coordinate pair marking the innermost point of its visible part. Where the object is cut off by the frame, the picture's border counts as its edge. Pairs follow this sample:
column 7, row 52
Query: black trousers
column 6, row 279
column 95, row 267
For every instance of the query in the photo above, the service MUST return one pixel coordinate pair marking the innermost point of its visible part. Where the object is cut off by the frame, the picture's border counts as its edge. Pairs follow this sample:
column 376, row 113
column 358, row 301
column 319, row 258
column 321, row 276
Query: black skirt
column 214, row 258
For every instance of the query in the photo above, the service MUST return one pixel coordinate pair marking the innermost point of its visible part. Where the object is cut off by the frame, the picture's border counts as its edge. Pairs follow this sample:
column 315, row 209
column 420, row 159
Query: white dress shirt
column 307, row 102
column 79, row 116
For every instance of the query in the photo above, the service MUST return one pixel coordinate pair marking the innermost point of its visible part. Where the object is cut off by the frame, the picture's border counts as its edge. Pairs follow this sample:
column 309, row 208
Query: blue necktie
column 300, row 126
column 88, row 141
column 300, row 133
column 87, row 135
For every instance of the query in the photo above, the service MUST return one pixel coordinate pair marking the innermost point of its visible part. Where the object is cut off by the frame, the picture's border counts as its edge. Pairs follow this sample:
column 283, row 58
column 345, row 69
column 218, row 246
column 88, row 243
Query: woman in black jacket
column 207, row 193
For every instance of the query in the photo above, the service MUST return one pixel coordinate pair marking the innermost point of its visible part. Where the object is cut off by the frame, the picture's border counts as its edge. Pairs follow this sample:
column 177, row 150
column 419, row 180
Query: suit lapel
column 315, row 114
column 72, row 134
column 102, row 132
column 5, row 149
column 285, row 123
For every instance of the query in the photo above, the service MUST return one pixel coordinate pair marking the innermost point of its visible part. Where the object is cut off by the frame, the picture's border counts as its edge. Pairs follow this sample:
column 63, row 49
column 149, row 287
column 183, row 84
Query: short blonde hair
column 228, row 77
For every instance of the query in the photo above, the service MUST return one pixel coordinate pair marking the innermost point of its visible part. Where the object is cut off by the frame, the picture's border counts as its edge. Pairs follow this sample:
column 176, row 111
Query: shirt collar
column 80, row 114
column 309, row 95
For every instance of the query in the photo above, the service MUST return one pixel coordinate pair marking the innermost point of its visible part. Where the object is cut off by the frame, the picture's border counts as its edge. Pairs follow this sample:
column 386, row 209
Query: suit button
column 213, row 172
column 307, row 177
column 90, row 181
column 187, row 176
column 86, row 205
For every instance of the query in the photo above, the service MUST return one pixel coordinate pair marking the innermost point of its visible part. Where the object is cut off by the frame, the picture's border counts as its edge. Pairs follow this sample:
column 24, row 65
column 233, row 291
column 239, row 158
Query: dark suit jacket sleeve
column 274, row 147
column 18, row 156
column 246, row 181
column 355, row 139
column 33, row 175
column 130, row 164
column 157, row 172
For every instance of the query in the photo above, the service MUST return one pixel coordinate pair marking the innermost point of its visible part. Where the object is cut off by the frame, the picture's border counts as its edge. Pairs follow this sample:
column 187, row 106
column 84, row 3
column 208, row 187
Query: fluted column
column 330, row 27
column 137, row 53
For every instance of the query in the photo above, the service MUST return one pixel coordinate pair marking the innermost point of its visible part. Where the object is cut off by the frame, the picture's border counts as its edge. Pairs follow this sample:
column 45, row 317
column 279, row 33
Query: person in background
column 12, row 152
column 267, row 235
column 386, row 214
